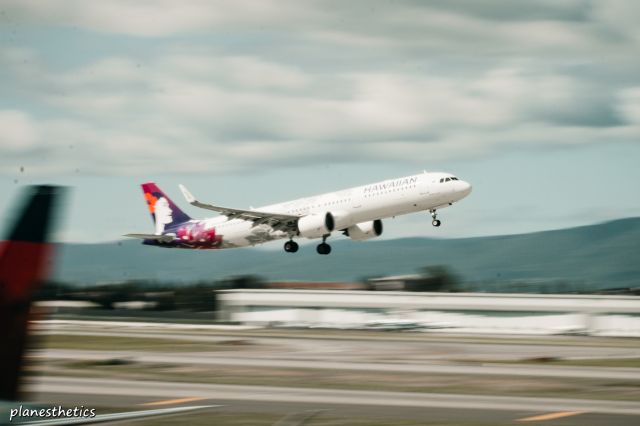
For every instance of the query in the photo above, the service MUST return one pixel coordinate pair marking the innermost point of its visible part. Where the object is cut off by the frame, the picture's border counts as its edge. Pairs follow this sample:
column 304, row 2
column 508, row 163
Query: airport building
column 435, row 312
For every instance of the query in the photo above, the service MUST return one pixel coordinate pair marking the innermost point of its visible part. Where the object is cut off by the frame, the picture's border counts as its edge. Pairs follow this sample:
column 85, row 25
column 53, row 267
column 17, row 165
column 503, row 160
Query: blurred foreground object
column 25, row 257
column 25, row 260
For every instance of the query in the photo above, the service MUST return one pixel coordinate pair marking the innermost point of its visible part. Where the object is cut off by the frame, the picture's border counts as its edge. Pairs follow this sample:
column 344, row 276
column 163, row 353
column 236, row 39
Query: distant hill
column 603, row 256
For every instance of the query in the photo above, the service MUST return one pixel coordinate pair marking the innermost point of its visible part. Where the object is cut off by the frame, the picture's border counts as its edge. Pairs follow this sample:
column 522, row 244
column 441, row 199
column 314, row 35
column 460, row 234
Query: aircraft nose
column 465, row 188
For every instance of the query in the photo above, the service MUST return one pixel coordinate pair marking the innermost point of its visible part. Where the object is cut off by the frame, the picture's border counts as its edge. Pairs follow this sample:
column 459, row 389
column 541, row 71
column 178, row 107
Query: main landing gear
column 323, row 247
column 291, row 246
column 435, row 222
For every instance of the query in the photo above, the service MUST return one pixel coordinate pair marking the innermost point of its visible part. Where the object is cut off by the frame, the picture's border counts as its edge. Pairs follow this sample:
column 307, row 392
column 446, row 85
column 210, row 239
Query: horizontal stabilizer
column 160, row 238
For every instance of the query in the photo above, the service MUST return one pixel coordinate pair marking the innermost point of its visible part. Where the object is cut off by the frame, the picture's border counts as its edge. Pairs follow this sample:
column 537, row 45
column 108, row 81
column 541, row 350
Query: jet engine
column 365, row 230
column 316, row 225
column 341, row 219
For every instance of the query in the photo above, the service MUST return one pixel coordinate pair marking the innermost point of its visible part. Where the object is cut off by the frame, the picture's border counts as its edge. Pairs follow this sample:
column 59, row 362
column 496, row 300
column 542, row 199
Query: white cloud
column 630, row 105
column 159, row 18
column 619, row 17
column 18, row 133
column 341, row 82
column 212, row 111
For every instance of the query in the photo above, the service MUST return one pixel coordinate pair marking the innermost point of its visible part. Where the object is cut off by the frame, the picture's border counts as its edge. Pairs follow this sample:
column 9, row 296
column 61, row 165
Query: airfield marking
column 174, row 401
column 551, row 416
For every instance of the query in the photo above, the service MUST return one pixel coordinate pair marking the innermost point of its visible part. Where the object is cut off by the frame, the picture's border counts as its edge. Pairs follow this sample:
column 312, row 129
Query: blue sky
column 249, row 103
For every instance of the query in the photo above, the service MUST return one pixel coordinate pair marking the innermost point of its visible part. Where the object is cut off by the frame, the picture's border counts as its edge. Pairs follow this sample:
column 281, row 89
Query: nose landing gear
column 435, row 222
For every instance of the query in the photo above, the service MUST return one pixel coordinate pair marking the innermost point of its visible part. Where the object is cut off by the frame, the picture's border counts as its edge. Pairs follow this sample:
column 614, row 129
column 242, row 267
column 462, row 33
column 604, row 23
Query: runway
column 434, row 379
column 323, row 396
column 335, row 345
column 457, row 406
column 434, row 368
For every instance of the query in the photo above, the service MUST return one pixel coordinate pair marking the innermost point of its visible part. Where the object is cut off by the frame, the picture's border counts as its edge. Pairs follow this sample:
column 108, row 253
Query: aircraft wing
column 161, row 238
column 278, row 221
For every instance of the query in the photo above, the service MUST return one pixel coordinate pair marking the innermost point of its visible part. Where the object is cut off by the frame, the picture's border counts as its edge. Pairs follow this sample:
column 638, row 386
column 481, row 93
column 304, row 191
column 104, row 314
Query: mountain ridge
column 602, row 255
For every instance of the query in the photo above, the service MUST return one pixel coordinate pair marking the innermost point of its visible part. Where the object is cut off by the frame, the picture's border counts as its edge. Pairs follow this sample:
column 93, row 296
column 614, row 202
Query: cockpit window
column 454, row 178
column 441, row 180
column 447, row 179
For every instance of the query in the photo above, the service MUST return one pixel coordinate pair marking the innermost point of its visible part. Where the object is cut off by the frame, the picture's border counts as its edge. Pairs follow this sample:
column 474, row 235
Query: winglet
column 187, row 195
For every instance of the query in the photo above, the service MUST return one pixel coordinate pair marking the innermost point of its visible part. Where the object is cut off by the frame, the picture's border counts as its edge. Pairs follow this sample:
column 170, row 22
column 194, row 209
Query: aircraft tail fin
column 164, row 211
column 24, row 263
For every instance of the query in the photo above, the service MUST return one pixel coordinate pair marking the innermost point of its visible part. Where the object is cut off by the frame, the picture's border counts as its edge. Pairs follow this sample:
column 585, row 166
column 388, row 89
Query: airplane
column 25, row 257
column 356, row 212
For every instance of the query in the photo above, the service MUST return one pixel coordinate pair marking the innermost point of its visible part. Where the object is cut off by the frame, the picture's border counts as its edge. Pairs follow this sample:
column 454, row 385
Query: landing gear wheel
column 435, row 221
column 323, row 248
column 291, row 246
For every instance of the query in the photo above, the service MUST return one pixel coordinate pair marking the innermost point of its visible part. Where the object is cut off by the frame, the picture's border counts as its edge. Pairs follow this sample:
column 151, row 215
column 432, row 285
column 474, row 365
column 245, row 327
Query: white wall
column 439, row 312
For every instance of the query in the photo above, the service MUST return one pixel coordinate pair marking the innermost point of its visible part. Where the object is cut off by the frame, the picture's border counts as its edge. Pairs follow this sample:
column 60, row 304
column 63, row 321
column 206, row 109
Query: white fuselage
column 389, row 198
